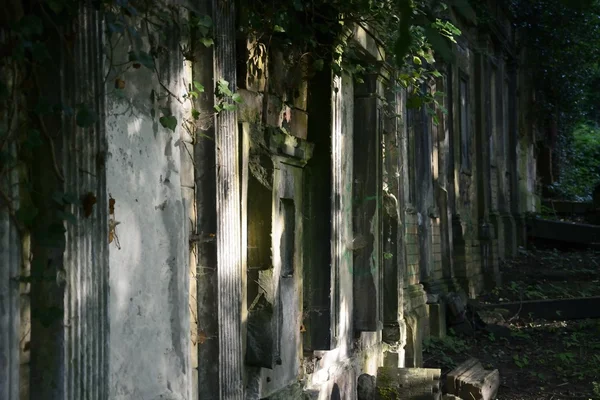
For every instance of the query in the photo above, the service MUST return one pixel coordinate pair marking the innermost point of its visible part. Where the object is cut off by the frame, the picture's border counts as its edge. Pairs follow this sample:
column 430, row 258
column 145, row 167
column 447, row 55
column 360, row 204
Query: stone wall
column 288, row 247
column 148, row 258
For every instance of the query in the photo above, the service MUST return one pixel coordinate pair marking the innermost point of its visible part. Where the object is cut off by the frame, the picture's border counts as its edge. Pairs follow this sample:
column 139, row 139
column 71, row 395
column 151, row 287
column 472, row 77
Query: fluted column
column 86, row 257
column 229, row 270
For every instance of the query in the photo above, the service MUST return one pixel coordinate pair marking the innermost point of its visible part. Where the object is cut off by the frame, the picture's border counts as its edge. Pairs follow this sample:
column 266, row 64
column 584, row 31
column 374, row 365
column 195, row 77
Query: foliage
column 562, row 39
column 36, row 116
column 416, row 32
column 31, row 115
column 578, row 180
column 443, row 349
column 317, row 33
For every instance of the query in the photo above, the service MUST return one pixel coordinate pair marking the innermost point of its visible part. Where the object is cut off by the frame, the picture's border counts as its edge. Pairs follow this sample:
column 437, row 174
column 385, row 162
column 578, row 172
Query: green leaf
column 237, row 98
column 169, row 122
column 198, row 87
column 85, row 116
column 439, row 43
column 223, row 88
column 206, row 41
column 205, row 21
column 229, row 107
column 195, row 114
column 278, row 28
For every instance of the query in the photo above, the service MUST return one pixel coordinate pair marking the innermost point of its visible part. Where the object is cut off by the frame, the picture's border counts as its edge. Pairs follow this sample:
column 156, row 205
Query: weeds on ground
column 444, row 350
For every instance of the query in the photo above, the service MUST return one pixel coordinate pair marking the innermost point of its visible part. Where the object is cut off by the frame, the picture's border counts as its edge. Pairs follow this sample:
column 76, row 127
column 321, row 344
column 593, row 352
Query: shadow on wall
column 148, row 295
column 335, row 392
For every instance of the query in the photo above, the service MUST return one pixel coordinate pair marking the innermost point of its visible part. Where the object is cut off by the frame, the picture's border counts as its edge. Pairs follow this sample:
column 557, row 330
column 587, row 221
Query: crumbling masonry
column 285, row 248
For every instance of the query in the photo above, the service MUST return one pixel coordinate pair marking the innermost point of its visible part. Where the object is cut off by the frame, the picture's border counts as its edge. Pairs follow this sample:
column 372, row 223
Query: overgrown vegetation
column 413, row 37
column 536, row 358
column 39, row 33
column 37, row 62
column 562, row 42
column 581, row 172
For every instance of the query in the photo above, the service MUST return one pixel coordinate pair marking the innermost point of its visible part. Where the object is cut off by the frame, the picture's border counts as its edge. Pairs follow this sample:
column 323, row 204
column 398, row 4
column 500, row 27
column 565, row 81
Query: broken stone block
column 491, row 317
column 251, row 107
column 437, row 320
column 471, row 381
column 433, row 298
column 259, row 350
column 408, row 383
column 463, row 328
column 366, row 389
column 456, row 308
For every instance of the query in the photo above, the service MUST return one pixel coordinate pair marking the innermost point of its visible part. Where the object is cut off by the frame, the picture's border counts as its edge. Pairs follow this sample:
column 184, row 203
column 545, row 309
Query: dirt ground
column 537, row 359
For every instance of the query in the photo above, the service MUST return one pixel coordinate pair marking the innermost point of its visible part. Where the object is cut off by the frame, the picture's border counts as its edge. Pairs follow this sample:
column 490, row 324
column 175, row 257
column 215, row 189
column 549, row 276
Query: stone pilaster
column 228, row 235
column 342, row 137
column 86, row 266
column 10, row 270
column 366, row 215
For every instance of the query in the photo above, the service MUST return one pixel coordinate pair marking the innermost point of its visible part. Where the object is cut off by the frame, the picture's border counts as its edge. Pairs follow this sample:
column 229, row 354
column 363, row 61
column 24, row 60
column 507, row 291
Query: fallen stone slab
column 568, row 232
column 366, row 389
column 408, row 383
column 569, row 207
column 554, row 309
column 471, row 381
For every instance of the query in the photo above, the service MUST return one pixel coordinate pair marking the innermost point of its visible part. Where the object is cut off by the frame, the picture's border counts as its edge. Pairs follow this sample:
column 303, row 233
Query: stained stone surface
column 471, row 381
column 408, row 384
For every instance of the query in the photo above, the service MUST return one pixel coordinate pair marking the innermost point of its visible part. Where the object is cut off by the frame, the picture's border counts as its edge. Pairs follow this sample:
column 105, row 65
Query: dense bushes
column 581, row 163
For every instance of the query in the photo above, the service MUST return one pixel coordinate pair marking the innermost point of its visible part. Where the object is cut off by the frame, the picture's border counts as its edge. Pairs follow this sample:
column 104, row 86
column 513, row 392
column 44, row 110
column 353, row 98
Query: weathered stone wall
column 148, row 259
column 287, row 255
column 436, row 244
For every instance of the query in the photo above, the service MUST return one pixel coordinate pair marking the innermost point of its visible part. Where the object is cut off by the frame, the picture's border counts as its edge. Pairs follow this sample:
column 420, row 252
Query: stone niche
column 274, row 342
